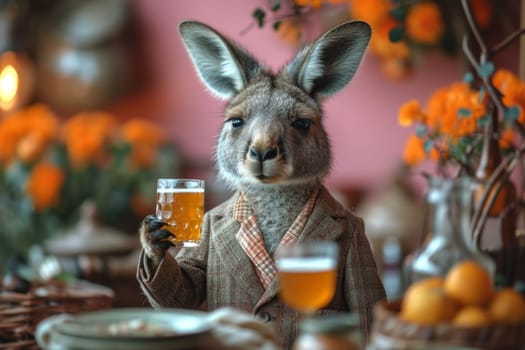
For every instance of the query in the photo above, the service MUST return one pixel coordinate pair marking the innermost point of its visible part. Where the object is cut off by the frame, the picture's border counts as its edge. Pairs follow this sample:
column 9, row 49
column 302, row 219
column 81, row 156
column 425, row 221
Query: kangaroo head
column 273, row 130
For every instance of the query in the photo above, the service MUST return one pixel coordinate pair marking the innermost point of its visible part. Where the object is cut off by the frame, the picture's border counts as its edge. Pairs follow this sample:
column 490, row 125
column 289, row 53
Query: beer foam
column 180, row 190
column 309, row 264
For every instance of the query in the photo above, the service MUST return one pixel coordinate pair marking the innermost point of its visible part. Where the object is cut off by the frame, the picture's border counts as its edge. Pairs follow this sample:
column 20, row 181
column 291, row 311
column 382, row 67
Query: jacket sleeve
column 180, row 278
column 365, row 286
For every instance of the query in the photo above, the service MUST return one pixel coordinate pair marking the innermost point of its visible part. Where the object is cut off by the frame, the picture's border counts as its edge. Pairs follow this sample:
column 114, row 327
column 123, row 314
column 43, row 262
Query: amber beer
column 308, row 283
column 180, row 204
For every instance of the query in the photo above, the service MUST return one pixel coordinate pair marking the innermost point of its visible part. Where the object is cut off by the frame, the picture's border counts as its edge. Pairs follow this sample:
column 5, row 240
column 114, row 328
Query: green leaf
column 396, row 34
column 259, row 16
column 465, row 141
column 511, row 114
column 421, row 131
column 399, row 13
column 276, row 25
column 468, row 77
column 483, row 120
column 276, row 7
column 482, row 92
column 464, row 112
column 486, row 69
column 428, row 145
column 457, row 153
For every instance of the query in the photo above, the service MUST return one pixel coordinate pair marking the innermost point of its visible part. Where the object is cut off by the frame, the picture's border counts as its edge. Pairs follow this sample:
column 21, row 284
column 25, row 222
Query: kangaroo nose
column 268, row 153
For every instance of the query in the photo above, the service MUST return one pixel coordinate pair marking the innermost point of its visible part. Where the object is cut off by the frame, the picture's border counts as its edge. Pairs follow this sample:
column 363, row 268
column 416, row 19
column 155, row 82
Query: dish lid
column 89, row 237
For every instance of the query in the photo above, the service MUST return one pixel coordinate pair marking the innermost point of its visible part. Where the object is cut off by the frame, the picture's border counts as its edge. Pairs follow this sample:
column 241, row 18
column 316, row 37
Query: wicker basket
column 390, row 332
column 21, row 313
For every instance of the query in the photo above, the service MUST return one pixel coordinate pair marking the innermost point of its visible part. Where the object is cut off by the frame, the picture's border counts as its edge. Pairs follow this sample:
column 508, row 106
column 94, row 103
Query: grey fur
column 275, row 162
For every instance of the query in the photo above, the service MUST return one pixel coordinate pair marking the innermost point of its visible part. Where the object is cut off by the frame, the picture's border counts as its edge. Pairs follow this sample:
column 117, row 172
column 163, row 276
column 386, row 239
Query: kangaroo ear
column 326, row 66
column 223, row 67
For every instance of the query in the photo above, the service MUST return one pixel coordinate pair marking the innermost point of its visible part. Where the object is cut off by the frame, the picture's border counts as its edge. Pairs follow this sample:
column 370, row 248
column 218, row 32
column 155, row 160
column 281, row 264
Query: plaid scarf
column 251, row 240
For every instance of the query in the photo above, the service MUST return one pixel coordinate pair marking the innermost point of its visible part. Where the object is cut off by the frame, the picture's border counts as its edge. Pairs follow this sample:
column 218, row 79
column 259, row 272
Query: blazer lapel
column 270, row 293
column 232, row 255
column 323, row 222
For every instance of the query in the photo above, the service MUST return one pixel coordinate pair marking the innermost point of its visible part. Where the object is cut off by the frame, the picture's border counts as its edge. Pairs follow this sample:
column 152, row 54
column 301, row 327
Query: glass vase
column 447, row 231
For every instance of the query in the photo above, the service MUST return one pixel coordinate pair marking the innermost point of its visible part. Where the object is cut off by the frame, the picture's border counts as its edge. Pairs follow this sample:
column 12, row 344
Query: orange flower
column 141, row 131
column 424, row 23
column 506, row 139
column 289, row 32
column 395, row 68
column 454, row 111
column 309, row 3
column 451, row 113
column 31, row 147
column 410, row 112
column 453, row 116
column 414, row 152
column 381, row 44
column 44, row 185
column 372, row 11
column 85, row 136
column 505, row 80
column 513, row 90
column 435, row 154
column 27, row 133
column 145, row 138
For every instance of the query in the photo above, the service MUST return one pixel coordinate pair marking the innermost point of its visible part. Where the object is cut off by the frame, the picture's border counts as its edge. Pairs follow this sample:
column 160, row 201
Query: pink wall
column 361, row 120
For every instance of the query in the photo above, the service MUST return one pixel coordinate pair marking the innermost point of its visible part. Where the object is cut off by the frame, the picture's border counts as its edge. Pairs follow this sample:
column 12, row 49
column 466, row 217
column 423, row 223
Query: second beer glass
column 307, row 274
column 180, row 204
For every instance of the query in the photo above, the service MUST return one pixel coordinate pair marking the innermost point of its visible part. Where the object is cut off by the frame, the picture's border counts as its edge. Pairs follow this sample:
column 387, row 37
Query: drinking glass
column 307, row 274
column 180, row 204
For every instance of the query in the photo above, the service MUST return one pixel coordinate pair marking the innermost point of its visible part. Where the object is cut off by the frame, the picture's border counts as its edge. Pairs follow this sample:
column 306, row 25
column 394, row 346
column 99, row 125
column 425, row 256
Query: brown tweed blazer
column 218, row 273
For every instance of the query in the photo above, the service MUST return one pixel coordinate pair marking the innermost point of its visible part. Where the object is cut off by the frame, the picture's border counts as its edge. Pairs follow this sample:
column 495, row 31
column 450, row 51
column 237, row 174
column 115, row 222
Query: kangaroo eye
column 302, row 124
column 236, row 122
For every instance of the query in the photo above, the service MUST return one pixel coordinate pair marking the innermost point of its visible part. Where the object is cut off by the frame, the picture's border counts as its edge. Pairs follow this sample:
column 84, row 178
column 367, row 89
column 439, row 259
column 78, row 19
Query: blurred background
column 105, row 94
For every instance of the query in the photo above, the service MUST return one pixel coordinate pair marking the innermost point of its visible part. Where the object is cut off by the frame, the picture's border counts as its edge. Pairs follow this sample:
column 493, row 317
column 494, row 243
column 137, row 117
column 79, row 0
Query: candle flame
column 8, row 86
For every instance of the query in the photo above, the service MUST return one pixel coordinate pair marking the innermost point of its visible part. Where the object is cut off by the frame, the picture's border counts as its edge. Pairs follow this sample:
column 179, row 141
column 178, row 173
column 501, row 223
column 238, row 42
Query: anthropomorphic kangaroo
column 274, row 152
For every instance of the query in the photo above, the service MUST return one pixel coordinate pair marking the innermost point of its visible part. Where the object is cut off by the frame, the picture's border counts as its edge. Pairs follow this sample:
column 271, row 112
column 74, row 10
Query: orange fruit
column 425, row 303
column 507, row 306
column 469, row 284
column 472, row 316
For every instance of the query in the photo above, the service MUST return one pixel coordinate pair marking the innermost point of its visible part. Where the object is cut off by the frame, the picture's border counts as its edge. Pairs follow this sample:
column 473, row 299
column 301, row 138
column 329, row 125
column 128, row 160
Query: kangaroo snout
column 263, row 154
column 263, row 162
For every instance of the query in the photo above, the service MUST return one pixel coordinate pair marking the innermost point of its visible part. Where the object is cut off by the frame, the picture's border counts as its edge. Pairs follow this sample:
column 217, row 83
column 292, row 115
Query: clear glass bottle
column 447, row 230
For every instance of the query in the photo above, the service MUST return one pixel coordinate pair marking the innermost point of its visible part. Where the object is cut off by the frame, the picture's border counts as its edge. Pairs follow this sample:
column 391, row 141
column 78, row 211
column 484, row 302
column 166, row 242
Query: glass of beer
column 307, row 274
column 180, row 204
